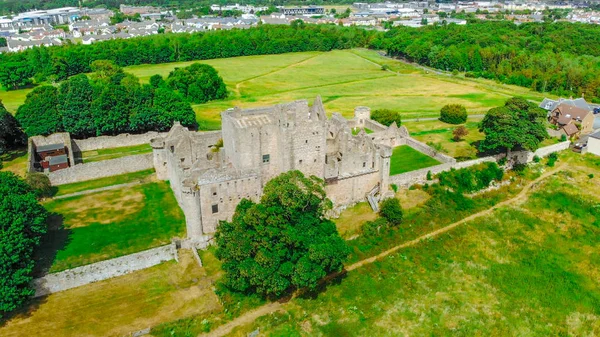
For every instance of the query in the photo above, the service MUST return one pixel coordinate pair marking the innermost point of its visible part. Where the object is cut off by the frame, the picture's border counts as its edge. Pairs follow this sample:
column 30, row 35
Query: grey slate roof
column 55, row 160
column 50, row 147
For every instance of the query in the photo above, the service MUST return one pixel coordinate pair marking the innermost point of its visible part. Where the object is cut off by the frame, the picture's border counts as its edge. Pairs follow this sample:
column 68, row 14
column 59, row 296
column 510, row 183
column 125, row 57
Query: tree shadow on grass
column 57, row 238
column 330, row 280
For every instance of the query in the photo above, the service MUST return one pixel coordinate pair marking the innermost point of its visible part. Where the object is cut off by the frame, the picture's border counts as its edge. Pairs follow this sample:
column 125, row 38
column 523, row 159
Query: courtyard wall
column 102, row 169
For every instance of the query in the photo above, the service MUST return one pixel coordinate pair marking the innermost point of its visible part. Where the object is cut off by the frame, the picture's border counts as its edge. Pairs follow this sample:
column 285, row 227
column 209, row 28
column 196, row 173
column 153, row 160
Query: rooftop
column 55, row 160
column 51, row 147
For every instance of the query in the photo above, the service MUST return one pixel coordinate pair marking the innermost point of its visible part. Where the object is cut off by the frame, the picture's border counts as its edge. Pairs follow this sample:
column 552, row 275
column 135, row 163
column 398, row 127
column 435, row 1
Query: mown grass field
column 344, row 79
column 103, row 225
column 117, row 152
column 405, row 159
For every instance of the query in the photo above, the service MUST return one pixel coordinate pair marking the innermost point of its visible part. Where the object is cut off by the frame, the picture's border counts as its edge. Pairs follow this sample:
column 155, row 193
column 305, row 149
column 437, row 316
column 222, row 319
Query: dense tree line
column 22, row 223
column 59, row 63
column 562, row 58
column 108, row 103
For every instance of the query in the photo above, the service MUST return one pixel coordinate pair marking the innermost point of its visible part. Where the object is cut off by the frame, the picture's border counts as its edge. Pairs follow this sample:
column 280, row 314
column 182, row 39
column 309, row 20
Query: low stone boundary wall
column 420, row 176
column 103, row 270
column 426, row 149
column 101, row 169
column 107, row 142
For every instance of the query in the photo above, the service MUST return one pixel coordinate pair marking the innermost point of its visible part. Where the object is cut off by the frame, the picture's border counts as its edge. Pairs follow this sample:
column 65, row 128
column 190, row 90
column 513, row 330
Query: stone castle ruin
column 210, row 172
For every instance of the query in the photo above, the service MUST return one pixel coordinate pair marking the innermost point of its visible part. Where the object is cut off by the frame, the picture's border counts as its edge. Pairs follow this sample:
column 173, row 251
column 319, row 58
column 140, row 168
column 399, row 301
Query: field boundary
column 76, row 277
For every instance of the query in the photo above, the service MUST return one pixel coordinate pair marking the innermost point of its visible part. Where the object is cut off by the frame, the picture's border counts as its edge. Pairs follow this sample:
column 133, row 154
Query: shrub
column 453, row 114
column 459, row 133
column 591, row 175
column 394, row 188
column 472, row 178
column 552, row 158
column 502, row 161
column 536, row 159
column 391, row 210
column 385, row 67
column 372, row 228
column 563, row 138
column 40, row 184
column 454, row 72
column 386, row 117
column 429, row 177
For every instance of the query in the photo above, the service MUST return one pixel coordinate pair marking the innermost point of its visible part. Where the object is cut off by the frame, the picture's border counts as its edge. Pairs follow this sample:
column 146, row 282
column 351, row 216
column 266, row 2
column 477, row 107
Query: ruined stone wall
column 420, row 176
column 108, row 142
column 374, row 126
column 226, row 196
column 352, row 189
column 426, row 149
column 101, row 169
column 103, row 270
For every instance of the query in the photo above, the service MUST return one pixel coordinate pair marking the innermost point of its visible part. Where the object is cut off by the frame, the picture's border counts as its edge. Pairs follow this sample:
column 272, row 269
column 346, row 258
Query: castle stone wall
column 122, row 140
column 426, row 149
column 420, row 176
column 349, row 190
column 103, row 270
column 101, row 169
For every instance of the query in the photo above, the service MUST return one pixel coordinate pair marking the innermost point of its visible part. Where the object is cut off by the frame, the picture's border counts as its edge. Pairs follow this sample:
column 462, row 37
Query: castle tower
column 361, row 114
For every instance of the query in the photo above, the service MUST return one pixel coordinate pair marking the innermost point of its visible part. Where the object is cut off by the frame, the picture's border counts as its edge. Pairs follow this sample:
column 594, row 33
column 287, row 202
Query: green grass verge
column 109, row 224
column 405, row 159
column 117, row 152
column 356, row 131
column 104, row 182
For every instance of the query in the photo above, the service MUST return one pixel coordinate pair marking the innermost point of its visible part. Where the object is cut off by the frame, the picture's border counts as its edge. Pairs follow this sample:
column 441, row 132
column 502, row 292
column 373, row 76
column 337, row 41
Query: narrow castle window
column 172, row 148
column 215, row 208
column 364, row 164
column 306, row 141
column 214, row 191
column 300, row 162
column 266, row 158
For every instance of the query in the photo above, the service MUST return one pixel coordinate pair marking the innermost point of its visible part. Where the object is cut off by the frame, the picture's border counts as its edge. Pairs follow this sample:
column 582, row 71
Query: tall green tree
column 75, row 99
column 22, row 223
column 518, row 124
column 282, row 242
column 10, row 133
column 199, row 83
column 39, row 114
column 15, row 75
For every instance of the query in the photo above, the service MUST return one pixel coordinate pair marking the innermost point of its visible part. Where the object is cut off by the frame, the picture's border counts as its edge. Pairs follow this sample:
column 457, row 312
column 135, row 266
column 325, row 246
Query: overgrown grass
column 117, row 152
column 144, row 175
column 530, row 269
column 15, row 161
column 109, row 224
column 405, row 159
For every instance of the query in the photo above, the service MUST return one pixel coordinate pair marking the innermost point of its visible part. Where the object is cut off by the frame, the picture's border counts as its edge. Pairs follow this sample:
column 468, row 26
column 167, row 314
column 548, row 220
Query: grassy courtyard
column 140, row 176
column 103, row 225
column 405, row 159
column 344, row 79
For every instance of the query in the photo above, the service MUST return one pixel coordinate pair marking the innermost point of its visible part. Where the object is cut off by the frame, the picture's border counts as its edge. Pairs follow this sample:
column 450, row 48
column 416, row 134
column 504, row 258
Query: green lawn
column 109, row 224
column 145, row 175
column 405, row 159
column 440, row 133
column 117, row 152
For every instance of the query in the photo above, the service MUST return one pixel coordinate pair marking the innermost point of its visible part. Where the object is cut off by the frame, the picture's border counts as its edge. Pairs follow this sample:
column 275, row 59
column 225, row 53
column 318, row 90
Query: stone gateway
column 210, row 172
